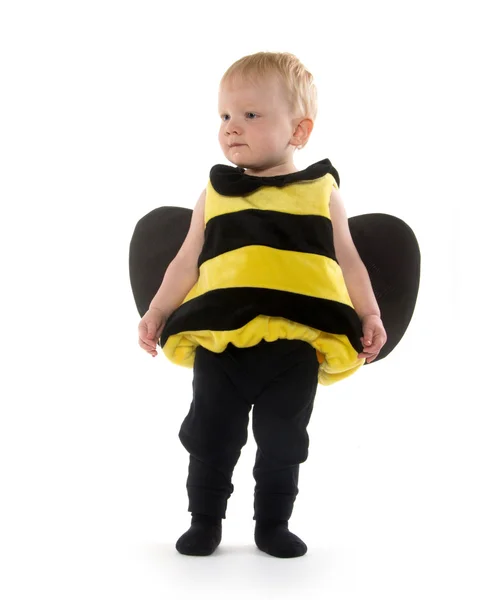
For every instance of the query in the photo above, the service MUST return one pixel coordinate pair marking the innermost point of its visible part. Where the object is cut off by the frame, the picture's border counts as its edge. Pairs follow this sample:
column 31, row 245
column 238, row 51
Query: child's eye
column 248, row 114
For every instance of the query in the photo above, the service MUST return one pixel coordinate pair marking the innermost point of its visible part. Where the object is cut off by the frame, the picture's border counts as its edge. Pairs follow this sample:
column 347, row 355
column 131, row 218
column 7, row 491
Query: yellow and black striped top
column 267, row 271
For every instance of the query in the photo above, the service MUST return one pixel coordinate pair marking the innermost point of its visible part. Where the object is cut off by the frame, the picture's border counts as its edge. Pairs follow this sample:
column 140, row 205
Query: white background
column 109, row 110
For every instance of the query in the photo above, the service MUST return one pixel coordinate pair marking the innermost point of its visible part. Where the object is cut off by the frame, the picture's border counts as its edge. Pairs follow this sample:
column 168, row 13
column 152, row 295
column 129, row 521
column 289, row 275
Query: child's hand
column 374, row 337
column 149, row 330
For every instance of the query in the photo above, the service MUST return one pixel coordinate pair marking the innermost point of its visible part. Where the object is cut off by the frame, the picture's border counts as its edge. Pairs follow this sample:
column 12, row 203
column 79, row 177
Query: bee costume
column 268, row 269
column 268, row 319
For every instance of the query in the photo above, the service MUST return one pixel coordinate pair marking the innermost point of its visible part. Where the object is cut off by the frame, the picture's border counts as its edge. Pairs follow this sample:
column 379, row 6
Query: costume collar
column 232, row 181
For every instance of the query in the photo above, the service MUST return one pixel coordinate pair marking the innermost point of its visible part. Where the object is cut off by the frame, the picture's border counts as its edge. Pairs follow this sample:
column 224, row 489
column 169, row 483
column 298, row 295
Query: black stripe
column 299, row 233
column 231, row 308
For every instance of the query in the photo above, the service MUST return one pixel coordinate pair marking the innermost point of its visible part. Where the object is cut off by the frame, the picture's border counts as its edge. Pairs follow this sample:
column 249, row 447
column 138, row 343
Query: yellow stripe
column 299, row 198
column 337, row 358
column 264, row 267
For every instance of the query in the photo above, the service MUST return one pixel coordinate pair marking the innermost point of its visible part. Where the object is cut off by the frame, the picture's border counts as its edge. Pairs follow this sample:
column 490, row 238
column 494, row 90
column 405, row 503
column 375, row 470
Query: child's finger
column 145, row 344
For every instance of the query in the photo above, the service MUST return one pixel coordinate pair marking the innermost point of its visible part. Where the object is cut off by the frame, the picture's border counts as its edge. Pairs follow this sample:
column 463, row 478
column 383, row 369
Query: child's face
column 258, row 117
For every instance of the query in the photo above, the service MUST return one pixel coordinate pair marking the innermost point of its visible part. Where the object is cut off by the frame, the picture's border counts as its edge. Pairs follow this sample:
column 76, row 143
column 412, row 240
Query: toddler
column 266, row 298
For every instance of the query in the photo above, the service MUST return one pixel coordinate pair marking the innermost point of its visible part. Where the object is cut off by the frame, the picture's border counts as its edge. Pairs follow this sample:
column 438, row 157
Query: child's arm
column 354, row 271
column 182, row 273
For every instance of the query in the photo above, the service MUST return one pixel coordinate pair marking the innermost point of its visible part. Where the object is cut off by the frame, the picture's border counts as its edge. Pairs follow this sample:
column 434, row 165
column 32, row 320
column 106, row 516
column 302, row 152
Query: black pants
column 280, row 380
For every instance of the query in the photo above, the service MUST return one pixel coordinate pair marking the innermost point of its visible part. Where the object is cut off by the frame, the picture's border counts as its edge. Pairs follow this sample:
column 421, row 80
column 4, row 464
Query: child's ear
column 302, row 132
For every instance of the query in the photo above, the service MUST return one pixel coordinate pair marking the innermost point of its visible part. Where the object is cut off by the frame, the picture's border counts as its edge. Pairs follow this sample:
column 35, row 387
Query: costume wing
column 386, row 244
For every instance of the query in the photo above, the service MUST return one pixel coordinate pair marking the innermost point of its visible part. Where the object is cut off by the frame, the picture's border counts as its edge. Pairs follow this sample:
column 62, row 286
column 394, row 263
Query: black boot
column 202, row 538
column 273, row 537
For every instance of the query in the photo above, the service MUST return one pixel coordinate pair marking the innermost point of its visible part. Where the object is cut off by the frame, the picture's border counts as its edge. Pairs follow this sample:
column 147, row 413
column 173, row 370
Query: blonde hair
column 297, row 81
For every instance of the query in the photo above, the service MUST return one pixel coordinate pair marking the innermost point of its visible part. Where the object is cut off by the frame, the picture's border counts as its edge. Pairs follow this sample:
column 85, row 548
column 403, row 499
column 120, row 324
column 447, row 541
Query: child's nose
column 233, row 127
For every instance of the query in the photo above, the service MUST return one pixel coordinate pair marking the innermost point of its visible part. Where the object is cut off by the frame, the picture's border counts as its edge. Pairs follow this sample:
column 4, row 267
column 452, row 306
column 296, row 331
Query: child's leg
column 281, row 414
column 213, row 432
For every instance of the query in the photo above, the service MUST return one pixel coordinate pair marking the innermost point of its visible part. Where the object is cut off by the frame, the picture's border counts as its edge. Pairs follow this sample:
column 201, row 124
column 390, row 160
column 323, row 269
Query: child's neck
column 272, row 171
